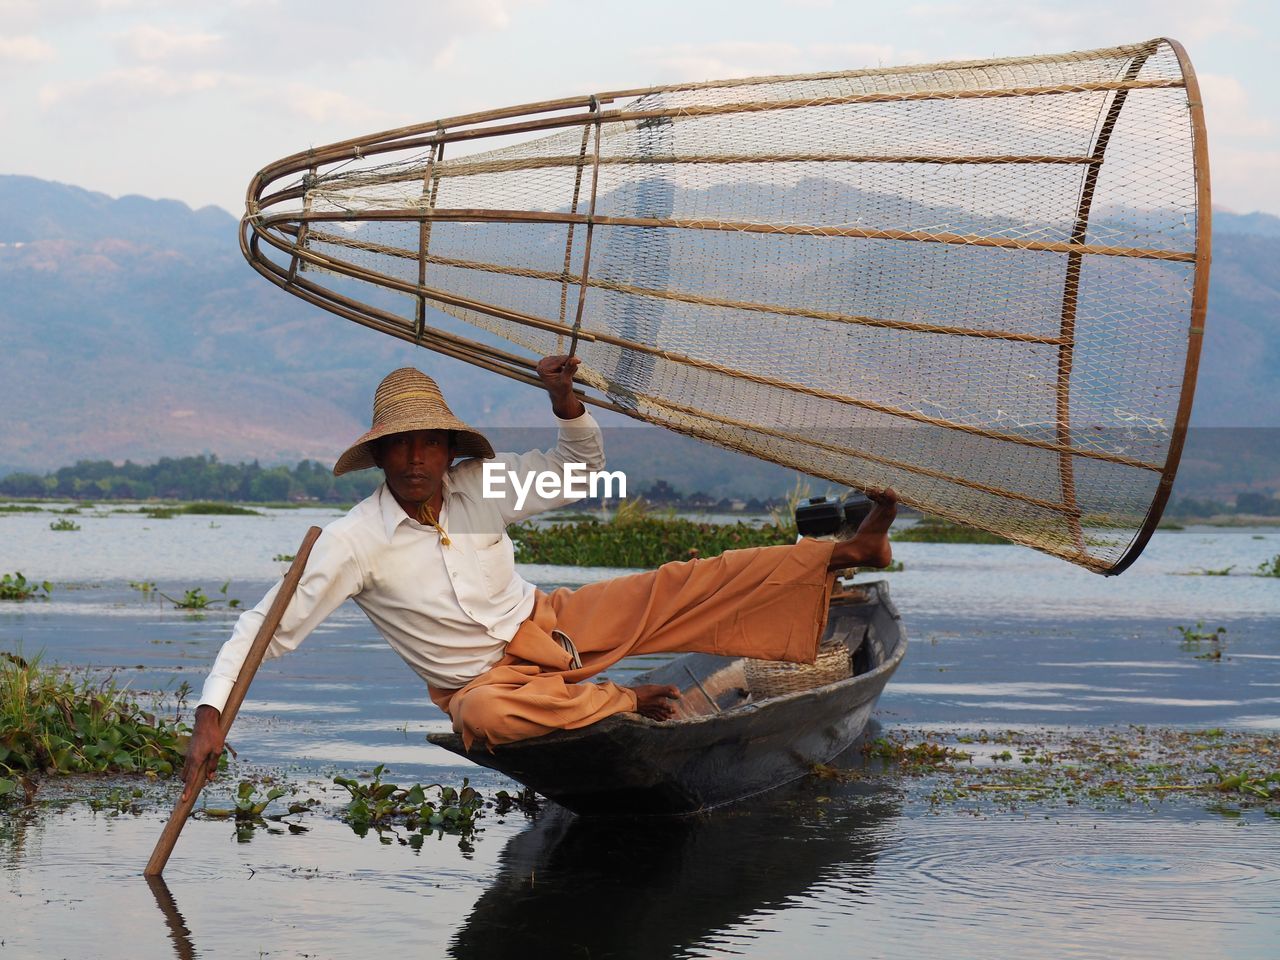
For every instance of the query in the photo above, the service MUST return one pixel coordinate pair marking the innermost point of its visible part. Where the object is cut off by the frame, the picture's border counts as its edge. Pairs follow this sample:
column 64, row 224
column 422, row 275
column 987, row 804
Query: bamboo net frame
column 982, row 283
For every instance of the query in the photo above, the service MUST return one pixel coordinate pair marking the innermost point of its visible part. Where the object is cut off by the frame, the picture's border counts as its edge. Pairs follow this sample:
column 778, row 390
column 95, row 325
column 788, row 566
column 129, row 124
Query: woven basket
column 769, row 678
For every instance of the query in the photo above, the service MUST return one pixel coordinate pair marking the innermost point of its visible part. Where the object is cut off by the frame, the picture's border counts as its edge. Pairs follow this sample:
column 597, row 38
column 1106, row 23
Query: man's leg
column 518, row 701
column 767, row 603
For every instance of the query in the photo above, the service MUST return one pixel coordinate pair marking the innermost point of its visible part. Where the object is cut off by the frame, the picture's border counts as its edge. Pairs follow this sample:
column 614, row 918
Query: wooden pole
column 591, row 225
column 182, row 809
column 493, row 215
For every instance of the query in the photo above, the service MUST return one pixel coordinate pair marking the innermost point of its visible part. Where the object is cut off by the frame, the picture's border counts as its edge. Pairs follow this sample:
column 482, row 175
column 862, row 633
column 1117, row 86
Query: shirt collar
column 393, row 514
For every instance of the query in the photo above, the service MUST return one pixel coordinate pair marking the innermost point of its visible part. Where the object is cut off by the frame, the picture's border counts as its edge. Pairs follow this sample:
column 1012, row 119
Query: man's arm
column 556, row 374
column 332, row 575
column 580, row 441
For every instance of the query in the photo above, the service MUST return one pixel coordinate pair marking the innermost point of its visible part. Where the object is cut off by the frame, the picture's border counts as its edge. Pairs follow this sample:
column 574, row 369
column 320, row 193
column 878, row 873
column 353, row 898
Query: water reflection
column 179, row 932
column 669, row 888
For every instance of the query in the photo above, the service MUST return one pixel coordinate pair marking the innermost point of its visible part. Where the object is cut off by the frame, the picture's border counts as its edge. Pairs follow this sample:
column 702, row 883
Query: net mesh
column 975, row 282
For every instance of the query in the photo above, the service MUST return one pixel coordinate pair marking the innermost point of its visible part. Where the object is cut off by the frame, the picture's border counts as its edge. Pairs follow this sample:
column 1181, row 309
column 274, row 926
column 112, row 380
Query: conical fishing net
column 980, row 283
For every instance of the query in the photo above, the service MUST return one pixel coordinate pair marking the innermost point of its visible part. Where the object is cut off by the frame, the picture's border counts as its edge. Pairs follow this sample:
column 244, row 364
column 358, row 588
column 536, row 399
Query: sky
column 186, row 100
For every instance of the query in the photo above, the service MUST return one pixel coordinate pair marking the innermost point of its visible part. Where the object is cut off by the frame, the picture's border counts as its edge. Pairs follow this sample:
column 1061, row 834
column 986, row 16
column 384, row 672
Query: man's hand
column 203, row 751
column 556, row 374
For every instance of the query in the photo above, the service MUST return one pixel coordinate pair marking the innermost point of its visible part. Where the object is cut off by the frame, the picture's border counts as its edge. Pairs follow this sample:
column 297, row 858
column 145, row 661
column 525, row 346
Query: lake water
column 1001, row 638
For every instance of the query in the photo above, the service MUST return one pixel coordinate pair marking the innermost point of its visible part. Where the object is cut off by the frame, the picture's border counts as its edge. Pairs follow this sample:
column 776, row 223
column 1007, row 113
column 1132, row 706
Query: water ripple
column 1212, row 873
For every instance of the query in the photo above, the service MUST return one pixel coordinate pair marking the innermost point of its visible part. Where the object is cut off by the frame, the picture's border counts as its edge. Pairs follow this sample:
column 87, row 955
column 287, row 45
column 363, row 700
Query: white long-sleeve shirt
column 448, row 611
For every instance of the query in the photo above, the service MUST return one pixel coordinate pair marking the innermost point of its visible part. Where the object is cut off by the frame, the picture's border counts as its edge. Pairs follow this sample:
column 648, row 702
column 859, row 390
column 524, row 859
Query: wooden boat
column 725, row 742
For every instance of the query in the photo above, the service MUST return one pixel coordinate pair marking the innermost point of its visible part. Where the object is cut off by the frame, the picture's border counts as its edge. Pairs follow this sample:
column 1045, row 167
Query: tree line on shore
column 192, row 478
column 208, row 478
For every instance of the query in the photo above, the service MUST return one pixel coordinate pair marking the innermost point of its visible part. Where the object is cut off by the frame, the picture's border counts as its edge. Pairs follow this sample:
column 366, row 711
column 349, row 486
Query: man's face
column 414, row 463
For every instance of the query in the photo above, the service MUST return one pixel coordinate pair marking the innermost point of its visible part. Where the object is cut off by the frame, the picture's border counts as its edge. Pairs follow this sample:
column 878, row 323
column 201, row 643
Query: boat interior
column 716, row 685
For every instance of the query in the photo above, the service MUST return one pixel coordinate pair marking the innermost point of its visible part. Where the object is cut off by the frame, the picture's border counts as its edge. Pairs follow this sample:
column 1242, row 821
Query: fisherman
column 428, row 559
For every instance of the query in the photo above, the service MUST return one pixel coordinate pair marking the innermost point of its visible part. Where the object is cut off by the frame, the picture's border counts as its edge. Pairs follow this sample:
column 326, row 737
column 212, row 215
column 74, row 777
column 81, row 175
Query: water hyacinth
column 636, row 537
column 54, row 722
column 377, row 804
column 14, row 586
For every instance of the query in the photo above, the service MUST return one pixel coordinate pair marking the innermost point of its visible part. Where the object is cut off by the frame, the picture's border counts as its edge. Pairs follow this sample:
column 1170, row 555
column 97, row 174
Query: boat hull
column 627, row 765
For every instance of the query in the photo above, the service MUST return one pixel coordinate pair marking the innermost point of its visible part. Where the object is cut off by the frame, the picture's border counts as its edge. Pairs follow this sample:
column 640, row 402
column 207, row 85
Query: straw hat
column 407, row 399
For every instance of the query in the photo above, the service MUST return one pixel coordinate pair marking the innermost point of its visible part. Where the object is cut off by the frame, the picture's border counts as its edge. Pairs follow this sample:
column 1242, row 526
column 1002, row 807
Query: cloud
column 1053, row 27
column 19, row 13
column 409, row 30
column 33, row 13
column 318, row 105
column 24, row 49
column 852, row 56
column 1244, row 179
column 741, row 58
column 130, row 85
column 1227, row 110
column 151, row 44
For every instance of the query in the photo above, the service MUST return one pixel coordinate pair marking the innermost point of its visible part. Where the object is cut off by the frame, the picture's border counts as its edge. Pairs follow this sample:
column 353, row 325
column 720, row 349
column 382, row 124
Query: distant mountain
column 1261, row 224
column 132, row 328
column 1239, row 382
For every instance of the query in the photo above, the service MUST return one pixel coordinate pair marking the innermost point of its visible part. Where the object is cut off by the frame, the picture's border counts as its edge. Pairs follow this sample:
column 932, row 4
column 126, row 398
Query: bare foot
column 654, row 700
column 869, row 547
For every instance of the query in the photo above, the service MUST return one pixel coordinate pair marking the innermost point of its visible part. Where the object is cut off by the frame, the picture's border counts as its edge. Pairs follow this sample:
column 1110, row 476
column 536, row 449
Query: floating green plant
column 200, row 508
column 52, row 721
column 376, row 804
column 937, row 530
column 926, row 753
column 1269, row 568
column 526, row 801
column 1198, row 634
column 118, row 800
column 196, row 599
column 249, row 811
column 64, row 525
column 17, row 587
column 637, row 538
column 1225, row 771
column 248, row 805
column 424, row 810
column 1209, row 572
column 207, row 507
